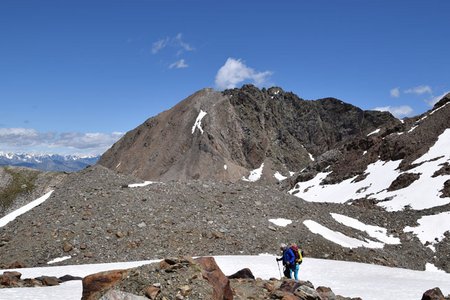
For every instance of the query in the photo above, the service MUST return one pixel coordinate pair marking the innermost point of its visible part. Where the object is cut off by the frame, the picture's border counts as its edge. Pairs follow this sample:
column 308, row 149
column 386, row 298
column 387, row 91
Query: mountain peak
column 239, row 131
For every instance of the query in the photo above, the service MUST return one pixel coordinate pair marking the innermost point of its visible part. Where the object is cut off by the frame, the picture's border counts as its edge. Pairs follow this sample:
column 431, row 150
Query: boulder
column 10, row 279
column 214, row 275
column 242, row 274
column 48, row 280
column 96, row 284
column 306, row 293
column 325, row 293
column 433, row 294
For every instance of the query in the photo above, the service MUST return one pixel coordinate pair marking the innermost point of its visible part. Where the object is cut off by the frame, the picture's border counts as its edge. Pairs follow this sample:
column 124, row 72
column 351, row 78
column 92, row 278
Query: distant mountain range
column 47, row 162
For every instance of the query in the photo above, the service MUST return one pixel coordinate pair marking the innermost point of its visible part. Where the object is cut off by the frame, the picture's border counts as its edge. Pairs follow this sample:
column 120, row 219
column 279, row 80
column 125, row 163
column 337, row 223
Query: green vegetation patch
column 22, row 183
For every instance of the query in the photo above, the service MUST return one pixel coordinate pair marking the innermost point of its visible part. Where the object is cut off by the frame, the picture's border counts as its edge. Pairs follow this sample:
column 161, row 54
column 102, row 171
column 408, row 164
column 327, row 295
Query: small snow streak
column 11, row 216
column 412, row 129
column 59, row 259
column 145, row 183
column 198, row 122
column 374, row 132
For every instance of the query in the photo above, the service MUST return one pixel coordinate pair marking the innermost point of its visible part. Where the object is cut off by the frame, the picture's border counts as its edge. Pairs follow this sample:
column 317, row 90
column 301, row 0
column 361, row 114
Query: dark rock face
column 403, row 181
column 405, row 141
column 242, row 129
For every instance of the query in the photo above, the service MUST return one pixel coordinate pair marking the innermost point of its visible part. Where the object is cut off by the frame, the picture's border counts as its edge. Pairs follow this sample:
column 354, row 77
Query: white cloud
column 397, row 111
column 175, row 42
column 178, row 41
column 234, row 72
column 159, row 45
column 419, row 90
column 179, row 64
column 395, row 92
column 30, row 140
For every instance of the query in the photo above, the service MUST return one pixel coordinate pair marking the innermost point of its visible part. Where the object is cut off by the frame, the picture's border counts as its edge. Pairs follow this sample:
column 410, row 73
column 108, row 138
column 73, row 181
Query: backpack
column 298, row 254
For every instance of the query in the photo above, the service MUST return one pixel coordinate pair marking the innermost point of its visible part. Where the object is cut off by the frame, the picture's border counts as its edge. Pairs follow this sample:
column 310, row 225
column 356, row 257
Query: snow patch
column 279, row 177
column 311, row 157
column 280, row 222
column 225, row 167
column 340, row 238
column 255, row 174
column 376, row 232
column 432, row 268
column 380, row 175
column 431, row 229
column 198, row 122
column 145, row 183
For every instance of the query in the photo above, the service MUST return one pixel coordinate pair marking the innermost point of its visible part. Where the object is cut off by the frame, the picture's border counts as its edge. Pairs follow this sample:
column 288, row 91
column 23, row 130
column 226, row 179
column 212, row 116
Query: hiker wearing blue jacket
column 288, row 259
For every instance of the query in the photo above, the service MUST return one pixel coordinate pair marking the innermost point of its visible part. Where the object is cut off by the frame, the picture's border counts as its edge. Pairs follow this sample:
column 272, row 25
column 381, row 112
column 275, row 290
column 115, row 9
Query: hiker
column 288, row 259
column 298, row 259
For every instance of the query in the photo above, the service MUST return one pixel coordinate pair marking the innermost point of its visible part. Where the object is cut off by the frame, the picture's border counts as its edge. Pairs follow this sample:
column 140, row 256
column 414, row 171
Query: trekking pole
column 279, row 270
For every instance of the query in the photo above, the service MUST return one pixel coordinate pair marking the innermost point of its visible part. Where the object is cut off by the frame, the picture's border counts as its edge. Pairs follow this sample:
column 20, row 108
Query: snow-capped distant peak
column 47, row 162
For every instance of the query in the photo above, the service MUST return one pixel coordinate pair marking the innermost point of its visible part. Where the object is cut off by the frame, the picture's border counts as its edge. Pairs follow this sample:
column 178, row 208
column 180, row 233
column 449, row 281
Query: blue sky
column 75, row 75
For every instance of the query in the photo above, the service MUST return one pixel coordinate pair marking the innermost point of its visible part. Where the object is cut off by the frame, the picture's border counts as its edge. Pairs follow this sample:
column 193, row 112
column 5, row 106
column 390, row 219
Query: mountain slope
column 225, row 135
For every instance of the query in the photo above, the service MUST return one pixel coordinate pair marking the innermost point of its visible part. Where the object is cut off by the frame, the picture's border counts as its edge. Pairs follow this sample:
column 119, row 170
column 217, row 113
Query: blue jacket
column 289, row 257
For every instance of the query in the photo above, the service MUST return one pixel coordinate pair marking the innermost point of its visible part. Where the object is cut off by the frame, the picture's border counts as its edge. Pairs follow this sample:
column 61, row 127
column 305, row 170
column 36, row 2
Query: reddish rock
column 95, row 284
column 67, row 247
column 10, row 279
column 152, row 292
column 215, row 276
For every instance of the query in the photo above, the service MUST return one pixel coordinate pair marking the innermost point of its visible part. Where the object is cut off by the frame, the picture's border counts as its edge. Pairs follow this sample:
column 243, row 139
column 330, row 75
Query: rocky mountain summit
column 224, row 135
